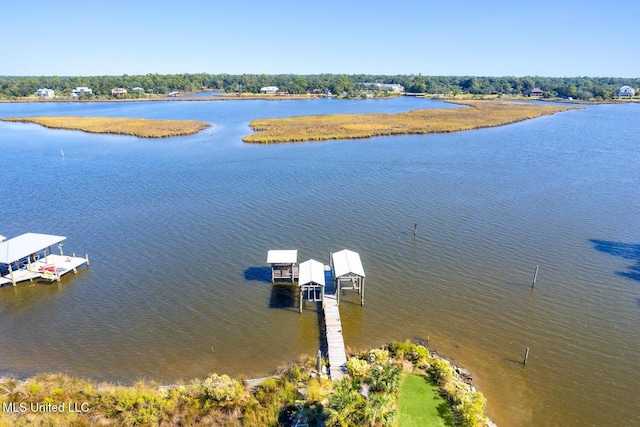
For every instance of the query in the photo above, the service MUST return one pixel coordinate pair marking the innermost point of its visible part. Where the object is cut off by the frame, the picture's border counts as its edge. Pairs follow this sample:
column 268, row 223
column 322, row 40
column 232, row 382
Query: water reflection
column 283, row 296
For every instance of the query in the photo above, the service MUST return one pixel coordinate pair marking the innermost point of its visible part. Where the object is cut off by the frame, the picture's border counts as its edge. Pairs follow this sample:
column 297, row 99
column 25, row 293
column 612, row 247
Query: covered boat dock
column 311, row 282
column 29, row 256
column 348, row 273
column 283, row 264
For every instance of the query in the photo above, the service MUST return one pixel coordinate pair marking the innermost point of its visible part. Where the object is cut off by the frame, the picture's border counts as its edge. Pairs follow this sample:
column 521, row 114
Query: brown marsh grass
column 479, row 114
column 144, row 128
column 294, row 392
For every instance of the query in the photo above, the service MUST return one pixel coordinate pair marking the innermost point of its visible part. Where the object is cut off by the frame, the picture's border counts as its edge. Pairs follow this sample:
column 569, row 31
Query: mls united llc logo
column 23, row 407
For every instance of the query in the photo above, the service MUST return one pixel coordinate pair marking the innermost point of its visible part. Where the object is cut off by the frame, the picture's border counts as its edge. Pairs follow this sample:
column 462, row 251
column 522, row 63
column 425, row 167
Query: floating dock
column 29, row 257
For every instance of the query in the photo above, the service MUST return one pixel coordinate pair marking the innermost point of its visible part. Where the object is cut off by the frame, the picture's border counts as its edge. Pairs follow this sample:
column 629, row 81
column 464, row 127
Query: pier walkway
column 344, row 272
column 333, row 329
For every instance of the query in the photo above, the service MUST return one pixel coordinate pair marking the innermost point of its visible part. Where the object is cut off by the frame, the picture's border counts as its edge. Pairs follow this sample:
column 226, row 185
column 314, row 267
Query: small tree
column 358, row 368
column 384, row 379
column 344, row 404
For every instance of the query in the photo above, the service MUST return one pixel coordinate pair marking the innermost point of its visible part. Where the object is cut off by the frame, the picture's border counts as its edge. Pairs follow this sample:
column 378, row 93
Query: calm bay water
column 178, row 229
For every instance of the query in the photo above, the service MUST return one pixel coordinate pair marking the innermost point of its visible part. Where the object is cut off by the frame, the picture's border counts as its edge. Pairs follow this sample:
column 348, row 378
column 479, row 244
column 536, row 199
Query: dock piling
column 535, row 276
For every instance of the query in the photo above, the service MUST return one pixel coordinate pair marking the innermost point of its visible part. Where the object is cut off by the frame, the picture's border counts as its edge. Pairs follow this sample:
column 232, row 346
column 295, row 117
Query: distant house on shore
column 120, row 91
column 627, row 91
column 536, row 93
column 138, row 89
column 269, row 89
column 45, row 93
column 81, row 90
column 385, row 86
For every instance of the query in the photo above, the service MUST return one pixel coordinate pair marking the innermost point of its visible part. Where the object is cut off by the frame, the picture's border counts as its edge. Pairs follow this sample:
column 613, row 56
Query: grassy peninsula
column 143, row 128
column 479, row 114
column 397, row 383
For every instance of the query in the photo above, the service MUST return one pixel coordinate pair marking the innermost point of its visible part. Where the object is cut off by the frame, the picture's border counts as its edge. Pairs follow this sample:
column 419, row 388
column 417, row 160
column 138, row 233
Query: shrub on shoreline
column 295, row 394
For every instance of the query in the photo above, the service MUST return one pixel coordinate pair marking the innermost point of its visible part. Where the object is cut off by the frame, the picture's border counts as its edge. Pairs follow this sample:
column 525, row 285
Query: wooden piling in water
column 535, row 276
column 526, row 356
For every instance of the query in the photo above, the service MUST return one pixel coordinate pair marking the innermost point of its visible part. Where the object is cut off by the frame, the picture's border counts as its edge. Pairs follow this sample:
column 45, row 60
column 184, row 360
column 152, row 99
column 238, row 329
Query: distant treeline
column 586, row 88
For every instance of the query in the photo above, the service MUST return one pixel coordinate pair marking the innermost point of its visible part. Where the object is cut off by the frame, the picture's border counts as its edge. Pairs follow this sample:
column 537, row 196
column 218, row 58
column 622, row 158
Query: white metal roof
column 347, row 262
column 282, row 256
column 22, row 246
column 311, row 271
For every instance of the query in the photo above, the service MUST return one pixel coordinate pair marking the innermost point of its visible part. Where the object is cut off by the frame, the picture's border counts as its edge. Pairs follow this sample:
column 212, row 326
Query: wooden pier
column 344, row 272
column 336, row 352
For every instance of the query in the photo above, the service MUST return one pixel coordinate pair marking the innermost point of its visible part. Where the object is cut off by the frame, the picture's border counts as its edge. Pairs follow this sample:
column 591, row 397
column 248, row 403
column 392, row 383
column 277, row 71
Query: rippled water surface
column 178, row 229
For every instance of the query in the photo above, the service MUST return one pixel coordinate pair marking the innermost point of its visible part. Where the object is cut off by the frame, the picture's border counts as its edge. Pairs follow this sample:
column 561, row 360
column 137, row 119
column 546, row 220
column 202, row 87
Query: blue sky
column 556, row 38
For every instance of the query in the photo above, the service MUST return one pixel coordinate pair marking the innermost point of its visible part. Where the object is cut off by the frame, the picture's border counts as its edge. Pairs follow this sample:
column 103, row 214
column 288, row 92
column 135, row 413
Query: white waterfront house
column 45, row 93
column 385, row 86
column 82, row 90
column 269, row 89
column 626, row 91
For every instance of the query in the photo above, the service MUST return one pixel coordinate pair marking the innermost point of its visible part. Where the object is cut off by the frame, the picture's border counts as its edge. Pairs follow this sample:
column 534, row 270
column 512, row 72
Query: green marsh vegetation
column 144, row 128
column 386, row 387
column 479, row 114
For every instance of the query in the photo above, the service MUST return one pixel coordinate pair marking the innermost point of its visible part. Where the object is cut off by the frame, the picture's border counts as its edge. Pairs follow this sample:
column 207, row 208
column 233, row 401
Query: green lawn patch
column 421, row 405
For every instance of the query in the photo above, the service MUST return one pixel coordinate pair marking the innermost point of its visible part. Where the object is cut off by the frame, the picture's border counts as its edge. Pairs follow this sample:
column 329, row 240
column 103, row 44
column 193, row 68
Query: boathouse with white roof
column 29, row 256
column 283, row 264
column 348, row 273
column 311, row 282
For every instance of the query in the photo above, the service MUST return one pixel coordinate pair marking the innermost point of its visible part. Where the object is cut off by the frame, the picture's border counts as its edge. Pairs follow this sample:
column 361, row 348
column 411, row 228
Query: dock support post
column 362, row 291
column 415, row 228
column 535, row 276
column 13, row 279
column 526, row 356
column 300, row 291
column 87, row 257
